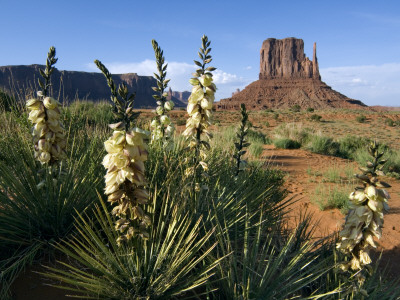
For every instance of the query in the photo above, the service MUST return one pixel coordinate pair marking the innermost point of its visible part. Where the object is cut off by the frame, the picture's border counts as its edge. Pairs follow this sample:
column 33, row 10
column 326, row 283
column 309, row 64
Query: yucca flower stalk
column 161, row 125
column 199, row 108
column 242, row 132
column 44, row 113
column 364, row 220
column 126, row 153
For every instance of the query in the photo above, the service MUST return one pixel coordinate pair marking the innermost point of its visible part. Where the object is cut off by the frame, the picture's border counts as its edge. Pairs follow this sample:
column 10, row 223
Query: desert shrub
column 255, row 136
column 286, row 144
column 267, row 124
column 295, row 108
column 315, row 118
column 323, row 145
column 332, row 174
column 180, row 122
column 327, row 197
column 361, row 118
column 349, row 144
column 276, row 116
column 256, row 149
column 294, row 132
column 389, row 122
column 310, row 109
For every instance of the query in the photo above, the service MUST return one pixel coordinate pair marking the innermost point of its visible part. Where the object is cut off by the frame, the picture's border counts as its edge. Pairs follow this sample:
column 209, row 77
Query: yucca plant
column 162, row 127
column 48, row 132
column 126, row 153
column 364, row 221
column 39, row 208
column 38, row 201
column 241, row 134
column 199, row 108
column 166, row 266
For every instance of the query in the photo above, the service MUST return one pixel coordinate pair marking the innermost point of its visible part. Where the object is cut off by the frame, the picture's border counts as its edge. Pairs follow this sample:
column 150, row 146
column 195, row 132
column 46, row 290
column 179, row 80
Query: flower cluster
column 161, row 125
column 365, row 218
column 125, row 181
column 44, row 113
column 199, row 107
column 126, row 154
column 48, row 132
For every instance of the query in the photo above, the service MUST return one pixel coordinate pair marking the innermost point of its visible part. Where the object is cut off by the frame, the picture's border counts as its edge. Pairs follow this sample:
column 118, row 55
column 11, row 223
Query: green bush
column 315, row 118
column 323, row 145
column 350, row 144
column 329, row 198
column 180, row 122
column 293, row 131
column 286, row 144
column 361, row 118
column 389, row 122
column 295, row 108
column 310, row 109
column 255, row 136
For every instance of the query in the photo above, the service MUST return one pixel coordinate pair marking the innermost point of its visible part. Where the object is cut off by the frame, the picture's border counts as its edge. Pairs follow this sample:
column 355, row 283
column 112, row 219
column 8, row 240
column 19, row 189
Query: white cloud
column 248, row 68
column 372, row 84
column 179, row 73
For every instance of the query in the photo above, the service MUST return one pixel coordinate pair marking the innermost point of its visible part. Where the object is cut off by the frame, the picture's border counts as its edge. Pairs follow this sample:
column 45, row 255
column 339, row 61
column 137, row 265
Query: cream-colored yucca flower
column 125, row 181
column 364, row 220
column 48, row 131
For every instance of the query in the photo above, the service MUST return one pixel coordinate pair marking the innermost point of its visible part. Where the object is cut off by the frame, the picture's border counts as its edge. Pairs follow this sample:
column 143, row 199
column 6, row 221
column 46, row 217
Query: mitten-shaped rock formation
column 286, row 59
column 287, row 77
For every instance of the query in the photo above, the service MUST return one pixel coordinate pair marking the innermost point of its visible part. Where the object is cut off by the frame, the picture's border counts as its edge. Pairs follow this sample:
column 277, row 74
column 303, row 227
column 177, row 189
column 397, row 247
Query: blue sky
column 358, row 42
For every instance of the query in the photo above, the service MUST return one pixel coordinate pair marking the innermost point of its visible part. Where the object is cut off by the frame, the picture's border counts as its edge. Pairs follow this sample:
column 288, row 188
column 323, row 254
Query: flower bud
column 165, row 120
column 159, row 110
column 169, row 105
column 194, row 81
column 205, row 80
column 50, row 103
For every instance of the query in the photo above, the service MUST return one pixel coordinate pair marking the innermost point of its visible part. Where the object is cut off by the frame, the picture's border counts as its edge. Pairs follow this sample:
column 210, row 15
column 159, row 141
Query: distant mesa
column 71, row 85
column 287, row 78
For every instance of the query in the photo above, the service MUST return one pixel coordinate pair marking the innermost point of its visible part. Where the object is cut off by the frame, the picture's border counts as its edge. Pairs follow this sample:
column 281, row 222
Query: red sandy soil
column 296, row 162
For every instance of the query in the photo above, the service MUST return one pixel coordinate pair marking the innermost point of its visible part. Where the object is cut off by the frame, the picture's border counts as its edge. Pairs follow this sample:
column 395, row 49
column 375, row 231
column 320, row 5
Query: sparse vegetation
column 327, row 197
column 361, row 118
column 286, row 144
column 315, row 118
column 295, row 108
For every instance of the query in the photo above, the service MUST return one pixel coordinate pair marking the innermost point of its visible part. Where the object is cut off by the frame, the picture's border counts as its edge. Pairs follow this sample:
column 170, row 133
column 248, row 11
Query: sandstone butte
column 70, row 85
column 287, row 78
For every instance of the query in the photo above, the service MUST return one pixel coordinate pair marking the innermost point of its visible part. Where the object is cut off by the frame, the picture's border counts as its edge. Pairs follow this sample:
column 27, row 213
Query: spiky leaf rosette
column 125, row 178
column 242, row 132
column 161, row 125
column 44, row 113
column 365, row 218
column 199, row 108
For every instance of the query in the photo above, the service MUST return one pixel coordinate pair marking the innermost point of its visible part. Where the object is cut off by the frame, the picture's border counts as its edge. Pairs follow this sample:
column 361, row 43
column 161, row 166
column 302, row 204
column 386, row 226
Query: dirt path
column 300, row 165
